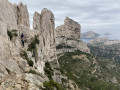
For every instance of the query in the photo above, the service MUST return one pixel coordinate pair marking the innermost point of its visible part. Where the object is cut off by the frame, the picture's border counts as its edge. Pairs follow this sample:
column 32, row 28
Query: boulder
column 10, row 65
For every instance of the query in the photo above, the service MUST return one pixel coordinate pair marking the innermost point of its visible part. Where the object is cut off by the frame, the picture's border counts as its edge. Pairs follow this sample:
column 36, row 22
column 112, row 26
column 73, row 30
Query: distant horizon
column 113, row 35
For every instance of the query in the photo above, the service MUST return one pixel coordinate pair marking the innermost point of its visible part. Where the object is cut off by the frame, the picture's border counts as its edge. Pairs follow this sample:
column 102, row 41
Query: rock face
column 22, row 14
column 23, row 67
column 7, row 15
column 44, row 23
column 68, row 37
column 13, row 17
column 70, row 29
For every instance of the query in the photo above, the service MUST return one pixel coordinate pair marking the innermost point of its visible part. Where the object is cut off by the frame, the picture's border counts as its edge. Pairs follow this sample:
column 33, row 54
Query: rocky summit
column 24, row 61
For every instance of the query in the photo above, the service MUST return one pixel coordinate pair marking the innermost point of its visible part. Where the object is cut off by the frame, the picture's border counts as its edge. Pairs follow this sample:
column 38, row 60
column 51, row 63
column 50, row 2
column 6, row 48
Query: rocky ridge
column 24, row 68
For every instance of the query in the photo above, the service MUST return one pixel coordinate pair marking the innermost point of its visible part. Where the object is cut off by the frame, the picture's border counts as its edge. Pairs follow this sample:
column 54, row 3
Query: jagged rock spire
column 44, row 22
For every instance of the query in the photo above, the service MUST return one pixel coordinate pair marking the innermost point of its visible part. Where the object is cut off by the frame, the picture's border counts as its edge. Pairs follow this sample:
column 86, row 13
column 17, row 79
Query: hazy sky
column 97, row 15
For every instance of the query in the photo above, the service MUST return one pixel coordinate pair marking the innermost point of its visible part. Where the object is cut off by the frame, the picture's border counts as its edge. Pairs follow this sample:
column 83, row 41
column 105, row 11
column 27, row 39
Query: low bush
column 51, row 85
column 12, row 34
column 34, row 72
column 48, row 70
column 33, row 44
column 30, row 62
column 63, row 46
column 24, row 55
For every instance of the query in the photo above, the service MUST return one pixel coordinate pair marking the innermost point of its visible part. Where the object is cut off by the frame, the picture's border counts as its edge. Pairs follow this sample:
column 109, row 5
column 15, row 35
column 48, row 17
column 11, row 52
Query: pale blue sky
column 97, row 15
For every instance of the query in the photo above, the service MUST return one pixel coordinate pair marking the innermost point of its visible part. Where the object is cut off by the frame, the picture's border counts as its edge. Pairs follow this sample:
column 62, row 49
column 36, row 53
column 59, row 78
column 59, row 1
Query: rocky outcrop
column 22, row 68
column 70, row 29
column 22, row 15
column 44, row 23
column 12, row 16
column 68, row 37
column 7, row 17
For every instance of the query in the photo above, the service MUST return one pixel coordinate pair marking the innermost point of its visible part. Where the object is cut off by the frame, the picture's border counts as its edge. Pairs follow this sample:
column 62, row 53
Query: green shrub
column 33, row 44
column 10, row 35
column 14, row 30
column 64, row 80
column 34, row 72
column 30, row 62
column 24, row 55
column 15, row 34
column 36, row 40
column 63, row 46
column 48, row 70
column 51, row 85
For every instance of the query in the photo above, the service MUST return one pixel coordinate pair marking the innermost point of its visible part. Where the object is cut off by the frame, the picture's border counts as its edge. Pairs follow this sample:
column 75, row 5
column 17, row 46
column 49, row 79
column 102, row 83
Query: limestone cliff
column 44, row 23
column 68, row 37
column 24, row 68
column 22, row 14
column 70, row 29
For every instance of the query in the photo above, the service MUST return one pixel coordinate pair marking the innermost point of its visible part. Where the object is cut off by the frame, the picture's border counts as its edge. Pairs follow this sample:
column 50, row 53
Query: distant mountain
column 89, row 35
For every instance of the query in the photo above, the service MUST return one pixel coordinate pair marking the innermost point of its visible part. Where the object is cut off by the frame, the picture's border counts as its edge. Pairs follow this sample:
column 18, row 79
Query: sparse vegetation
column 106, row 51
column 80, row 72
column 24, row 55
column 61, row 46
column 48, row 70
column 12, row 34
column 34, row 72
column 32, row 45
column 64, row 80
column 73, row 39
column 51, row 85
column 30, row 62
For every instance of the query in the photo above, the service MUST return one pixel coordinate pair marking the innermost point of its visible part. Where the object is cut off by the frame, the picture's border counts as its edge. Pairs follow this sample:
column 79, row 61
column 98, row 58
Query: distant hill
column 89, row 35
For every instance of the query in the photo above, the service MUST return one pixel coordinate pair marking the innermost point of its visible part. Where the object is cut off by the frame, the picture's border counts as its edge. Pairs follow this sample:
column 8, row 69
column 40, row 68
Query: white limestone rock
column 34, row 79
column 69, row 34
column 70, row 29
column 11, row 65
column 44, row 22
column 22, row 15
column 7, row 17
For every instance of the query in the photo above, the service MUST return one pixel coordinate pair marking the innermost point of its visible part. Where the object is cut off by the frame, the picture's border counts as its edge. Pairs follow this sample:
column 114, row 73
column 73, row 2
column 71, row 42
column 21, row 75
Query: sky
column 100, row 16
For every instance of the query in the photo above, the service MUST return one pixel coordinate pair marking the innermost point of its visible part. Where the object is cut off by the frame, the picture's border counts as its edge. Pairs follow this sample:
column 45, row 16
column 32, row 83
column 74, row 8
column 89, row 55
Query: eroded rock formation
column 70, row 29
column 23, row 67
column 68, row 37
column 44, row 23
